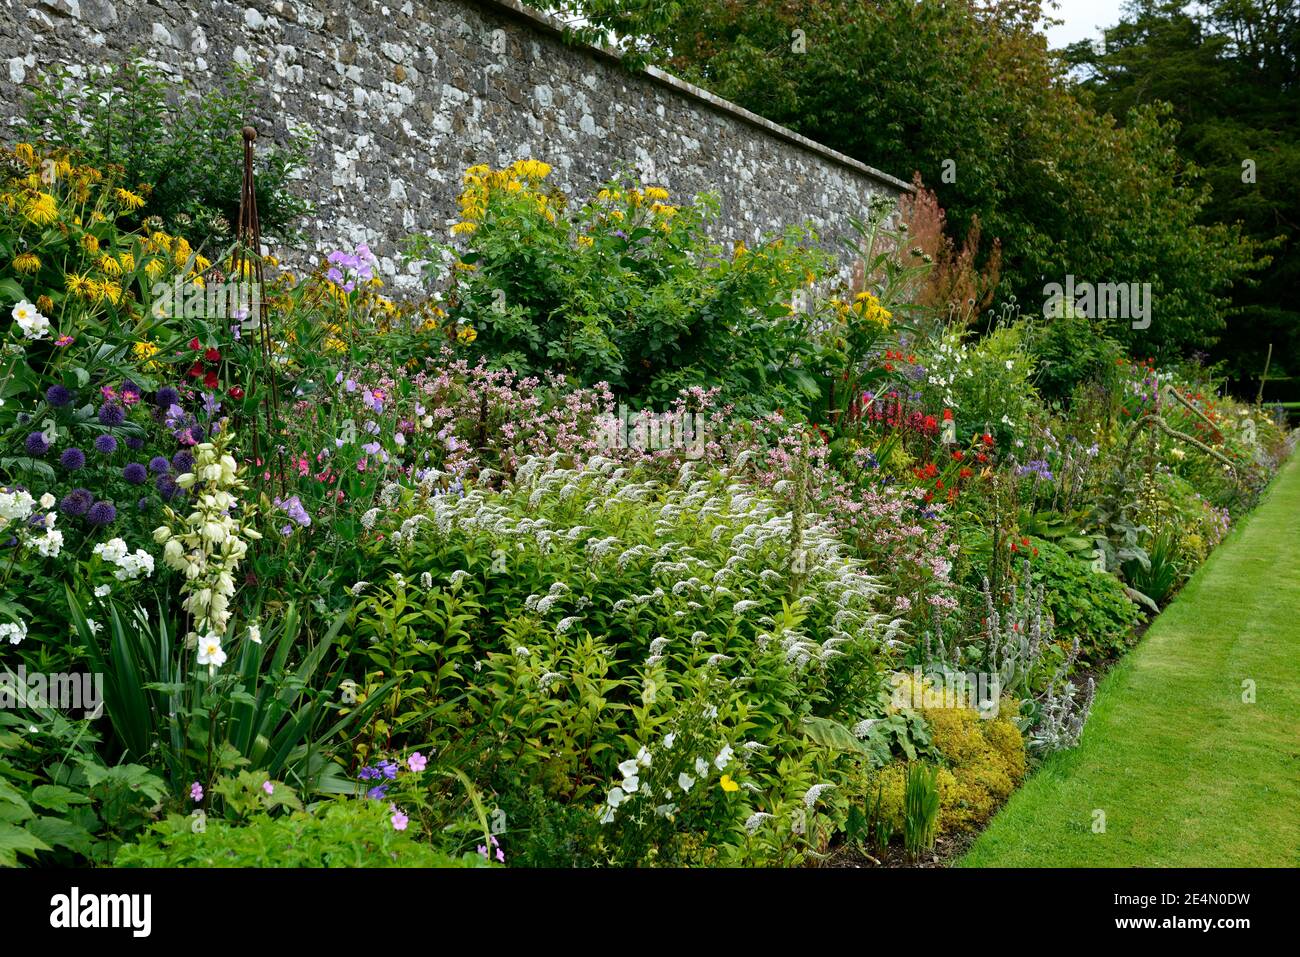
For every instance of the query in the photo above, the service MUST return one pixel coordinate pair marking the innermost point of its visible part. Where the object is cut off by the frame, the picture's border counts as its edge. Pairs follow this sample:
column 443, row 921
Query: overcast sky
column 1084, row 20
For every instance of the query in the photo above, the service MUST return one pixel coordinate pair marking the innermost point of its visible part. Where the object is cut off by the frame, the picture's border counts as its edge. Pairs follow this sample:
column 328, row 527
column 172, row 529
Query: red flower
column 965, row 473
column 947, row 415
column 196, row 370
column 210, row 380
column 988, row 439
column 236, row 392
column 958, row 455
column 195, row 345
column 212, row 355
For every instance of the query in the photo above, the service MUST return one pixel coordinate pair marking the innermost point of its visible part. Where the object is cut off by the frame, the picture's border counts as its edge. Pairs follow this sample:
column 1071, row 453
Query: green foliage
column 187, row 150
column 628, row 290
column 1085, row 604
column 920, row 809
column 341, row 833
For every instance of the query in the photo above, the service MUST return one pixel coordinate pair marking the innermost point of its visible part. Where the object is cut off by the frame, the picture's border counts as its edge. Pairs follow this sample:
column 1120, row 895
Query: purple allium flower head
column 159, row 465
column 76, row 502
column 166, row 397
column 36, row 444
column 183, row 461
column 135, row 473
column 167, row 487
column 134, row 443
column 105, row 444
column 73, row 459
column 101, row 514
column 142, row 504
column 58, row 396
column 111, row 414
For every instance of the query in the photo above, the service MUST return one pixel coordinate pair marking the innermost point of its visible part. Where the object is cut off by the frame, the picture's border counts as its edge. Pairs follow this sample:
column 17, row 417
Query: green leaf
column 55, row 797
column 15, row 841
column 832, row 734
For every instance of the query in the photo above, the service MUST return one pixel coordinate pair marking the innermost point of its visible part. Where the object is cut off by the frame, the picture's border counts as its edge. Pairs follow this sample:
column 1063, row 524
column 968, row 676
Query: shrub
column 186, row 159
column 1087, row 605
column 626, row 289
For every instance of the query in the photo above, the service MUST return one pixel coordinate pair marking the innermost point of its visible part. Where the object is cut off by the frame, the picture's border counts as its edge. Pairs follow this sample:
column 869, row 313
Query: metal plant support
column 246, row 263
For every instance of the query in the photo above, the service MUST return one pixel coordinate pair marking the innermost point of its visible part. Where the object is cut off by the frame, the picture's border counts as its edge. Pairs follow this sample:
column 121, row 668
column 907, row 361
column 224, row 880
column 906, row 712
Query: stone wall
column 403, row 96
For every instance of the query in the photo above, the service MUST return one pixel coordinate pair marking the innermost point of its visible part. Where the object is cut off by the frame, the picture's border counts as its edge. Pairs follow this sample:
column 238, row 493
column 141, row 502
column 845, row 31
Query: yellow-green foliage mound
column 983, row 761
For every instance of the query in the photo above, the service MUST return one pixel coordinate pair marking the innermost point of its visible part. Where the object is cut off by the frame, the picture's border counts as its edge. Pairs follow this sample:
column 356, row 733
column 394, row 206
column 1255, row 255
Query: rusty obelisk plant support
column 247, row 265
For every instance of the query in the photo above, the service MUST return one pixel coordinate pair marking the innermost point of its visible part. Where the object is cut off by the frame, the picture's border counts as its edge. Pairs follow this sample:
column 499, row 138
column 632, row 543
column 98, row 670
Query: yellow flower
column 41, row 209
column 25, row 153
column 110, row 266
column 463, row 229
column 112, row 291
column 45, row 304
column 79, row 286
column 467, row 334
column 585, row 241
column 127, row 262
column 90, row 244
column 128, row 199
column 27, row 262
column 740, row 249
column 656, row 193
column 153, row 269
column 729, row 785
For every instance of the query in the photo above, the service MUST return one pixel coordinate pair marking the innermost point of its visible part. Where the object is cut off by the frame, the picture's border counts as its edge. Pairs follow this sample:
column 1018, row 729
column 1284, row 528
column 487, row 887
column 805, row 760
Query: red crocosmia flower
column 965, row 473
column 939, row 485
column 196, row 370
column 195, row 344
column 988, row 439
column 931, row 423
column 947, row 415
column 1013, row 547
column 1024, row 541
column 958, row 455
column 929, row 496
column 1035, row 552
column 236, row 392
column 210, row 380
column 212, row 355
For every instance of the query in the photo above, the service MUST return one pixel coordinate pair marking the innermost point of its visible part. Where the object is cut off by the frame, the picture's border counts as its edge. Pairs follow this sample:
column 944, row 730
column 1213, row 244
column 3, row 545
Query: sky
column 1084, row 20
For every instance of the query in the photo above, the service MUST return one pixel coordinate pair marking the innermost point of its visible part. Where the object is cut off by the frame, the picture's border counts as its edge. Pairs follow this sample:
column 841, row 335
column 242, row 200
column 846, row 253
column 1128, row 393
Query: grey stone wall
column 403, row 96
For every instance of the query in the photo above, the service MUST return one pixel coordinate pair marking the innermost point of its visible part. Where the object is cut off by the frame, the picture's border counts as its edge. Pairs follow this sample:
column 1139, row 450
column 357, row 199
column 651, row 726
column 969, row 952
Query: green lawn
column 1186, row 773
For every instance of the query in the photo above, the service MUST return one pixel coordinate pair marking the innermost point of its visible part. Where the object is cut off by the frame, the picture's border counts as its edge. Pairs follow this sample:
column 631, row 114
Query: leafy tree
column 1228, row 70
column 967, row 94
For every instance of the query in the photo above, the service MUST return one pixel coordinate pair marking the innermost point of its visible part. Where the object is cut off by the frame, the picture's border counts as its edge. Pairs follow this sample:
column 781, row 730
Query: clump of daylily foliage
column 612, row 546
